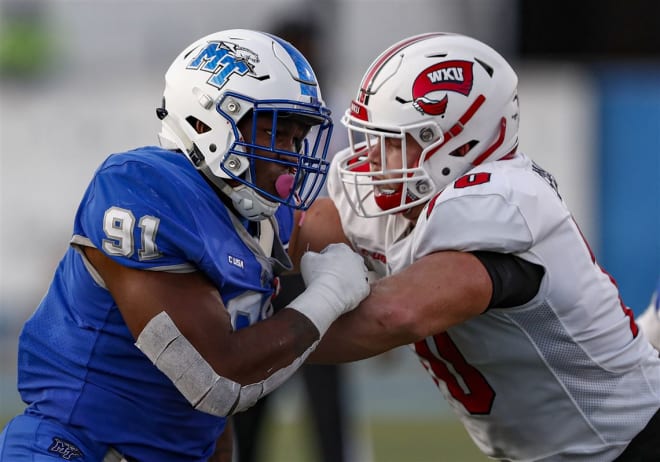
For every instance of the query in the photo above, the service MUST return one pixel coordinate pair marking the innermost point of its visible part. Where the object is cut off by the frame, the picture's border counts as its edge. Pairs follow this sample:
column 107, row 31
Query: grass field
column 378, row 441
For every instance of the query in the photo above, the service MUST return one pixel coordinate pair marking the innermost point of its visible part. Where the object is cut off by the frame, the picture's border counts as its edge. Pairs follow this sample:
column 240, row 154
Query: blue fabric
column 77, row 362
column 30, row 438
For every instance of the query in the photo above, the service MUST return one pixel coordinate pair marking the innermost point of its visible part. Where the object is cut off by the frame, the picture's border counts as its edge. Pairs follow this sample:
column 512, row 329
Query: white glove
column 336, row 281
column 649, row 322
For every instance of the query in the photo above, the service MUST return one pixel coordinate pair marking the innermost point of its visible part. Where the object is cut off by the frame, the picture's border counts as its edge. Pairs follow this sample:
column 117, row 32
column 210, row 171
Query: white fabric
column 368, row 236
column 336, row 281
column 561, row 378
column 171, row 352
column 649, row 322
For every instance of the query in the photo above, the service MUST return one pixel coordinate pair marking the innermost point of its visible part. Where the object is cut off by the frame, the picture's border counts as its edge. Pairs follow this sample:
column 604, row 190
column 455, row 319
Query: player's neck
column 226, row 200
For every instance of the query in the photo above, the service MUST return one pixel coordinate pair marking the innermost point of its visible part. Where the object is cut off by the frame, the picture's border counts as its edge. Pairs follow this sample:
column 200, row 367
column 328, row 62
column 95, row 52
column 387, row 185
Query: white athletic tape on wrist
column 312, row 303
column 171, row 352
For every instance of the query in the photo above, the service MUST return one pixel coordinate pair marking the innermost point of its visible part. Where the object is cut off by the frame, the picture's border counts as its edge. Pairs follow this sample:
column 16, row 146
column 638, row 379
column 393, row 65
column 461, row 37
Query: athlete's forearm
column 215, row 390
column 377, row 325
column 429, row 296
column 268, row 345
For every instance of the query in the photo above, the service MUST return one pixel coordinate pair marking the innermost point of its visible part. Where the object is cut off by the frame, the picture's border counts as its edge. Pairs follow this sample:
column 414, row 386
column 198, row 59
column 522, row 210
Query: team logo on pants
column 65, row 449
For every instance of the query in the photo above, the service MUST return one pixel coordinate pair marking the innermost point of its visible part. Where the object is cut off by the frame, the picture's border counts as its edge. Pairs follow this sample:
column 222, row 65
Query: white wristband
column 313, row 303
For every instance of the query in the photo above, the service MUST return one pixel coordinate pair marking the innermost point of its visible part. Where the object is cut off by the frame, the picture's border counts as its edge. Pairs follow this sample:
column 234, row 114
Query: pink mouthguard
column 284, row 184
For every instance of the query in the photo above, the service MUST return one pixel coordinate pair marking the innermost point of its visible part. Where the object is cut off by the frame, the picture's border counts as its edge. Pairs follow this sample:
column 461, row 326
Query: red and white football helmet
column 454, row 95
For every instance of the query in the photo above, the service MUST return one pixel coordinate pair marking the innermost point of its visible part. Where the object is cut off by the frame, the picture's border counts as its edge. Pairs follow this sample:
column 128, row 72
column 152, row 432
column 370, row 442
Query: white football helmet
column 455, row 96
column 226, row 76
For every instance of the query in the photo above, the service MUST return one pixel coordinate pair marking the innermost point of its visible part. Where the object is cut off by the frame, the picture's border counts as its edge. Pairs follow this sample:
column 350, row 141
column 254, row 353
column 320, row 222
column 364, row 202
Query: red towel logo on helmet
column 442, row 77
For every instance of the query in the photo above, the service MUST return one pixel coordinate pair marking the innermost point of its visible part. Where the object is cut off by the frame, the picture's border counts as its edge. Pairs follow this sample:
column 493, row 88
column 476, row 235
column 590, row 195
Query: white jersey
column 649, row 320
column 565, row 377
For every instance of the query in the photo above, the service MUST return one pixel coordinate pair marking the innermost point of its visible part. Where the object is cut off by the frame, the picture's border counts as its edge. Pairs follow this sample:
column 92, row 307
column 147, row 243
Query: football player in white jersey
column 484, row 272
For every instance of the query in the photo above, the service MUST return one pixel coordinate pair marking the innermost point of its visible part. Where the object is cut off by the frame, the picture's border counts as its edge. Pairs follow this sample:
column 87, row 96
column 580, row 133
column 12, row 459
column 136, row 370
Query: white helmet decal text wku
column 429, row 87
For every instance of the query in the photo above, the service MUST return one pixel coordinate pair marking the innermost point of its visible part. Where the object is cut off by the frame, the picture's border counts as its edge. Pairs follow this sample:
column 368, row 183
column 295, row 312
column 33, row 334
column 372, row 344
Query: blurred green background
column 392, row 440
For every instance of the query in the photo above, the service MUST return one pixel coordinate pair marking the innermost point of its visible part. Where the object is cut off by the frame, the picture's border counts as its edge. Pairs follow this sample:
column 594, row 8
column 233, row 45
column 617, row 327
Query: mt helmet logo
column 430, row 86
column 222, row 60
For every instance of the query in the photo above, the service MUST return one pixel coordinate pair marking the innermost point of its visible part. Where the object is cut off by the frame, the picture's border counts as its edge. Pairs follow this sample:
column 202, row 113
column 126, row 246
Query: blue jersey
column 147, row 209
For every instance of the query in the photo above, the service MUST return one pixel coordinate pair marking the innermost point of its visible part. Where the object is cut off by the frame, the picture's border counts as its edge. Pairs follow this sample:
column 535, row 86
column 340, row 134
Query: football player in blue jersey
column 157, row 324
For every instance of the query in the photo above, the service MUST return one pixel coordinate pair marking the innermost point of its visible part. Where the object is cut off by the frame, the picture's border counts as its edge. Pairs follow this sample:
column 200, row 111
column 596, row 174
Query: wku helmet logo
column 222, row 60
column 430, row 87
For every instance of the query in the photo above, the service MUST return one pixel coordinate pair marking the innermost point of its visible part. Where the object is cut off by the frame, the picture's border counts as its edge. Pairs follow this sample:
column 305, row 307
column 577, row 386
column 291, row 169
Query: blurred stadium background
column 80, row 80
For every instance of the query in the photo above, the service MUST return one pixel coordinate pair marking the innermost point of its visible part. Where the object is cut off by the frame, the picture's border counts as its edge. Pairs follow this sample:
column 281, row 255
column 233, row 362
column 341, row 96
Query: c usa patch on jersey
column 65, row 449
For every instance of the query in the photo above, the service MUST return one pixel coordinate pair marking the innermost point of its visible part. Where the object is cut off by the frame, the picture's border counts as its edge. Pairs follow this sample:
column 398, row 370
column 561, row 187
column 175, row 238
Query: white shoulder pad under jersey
column 368, row 236
column 565, row 376
column 501, row 206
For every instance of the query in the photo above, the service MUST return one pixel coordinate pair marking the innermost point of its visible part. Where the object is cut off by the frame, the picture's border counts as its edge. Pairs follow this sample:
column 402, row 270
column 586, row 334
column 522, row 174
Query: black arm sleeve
column 515, row 281
column 291, row 285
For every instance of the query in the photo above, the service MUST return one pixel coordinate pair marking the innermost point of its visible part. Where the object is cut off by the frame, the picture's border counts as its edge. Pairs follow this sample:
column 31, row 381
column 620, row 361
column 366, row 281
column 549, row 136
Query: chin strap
column 251, row 204
column 248, row 202
column 176, row 136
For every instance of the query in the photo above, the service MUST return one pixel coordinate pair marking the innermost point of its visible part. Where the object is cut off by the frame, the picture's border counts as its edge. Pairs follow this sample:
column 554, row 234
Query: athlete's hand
column 341, row 271
column 336, row 281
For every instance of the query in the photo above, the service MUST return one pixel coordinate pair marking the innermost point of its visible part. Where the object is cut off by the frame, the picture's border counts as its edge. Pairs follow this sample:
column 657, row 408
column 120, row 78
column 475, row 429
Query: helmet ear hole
column 463, row 149
column 199, row 126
